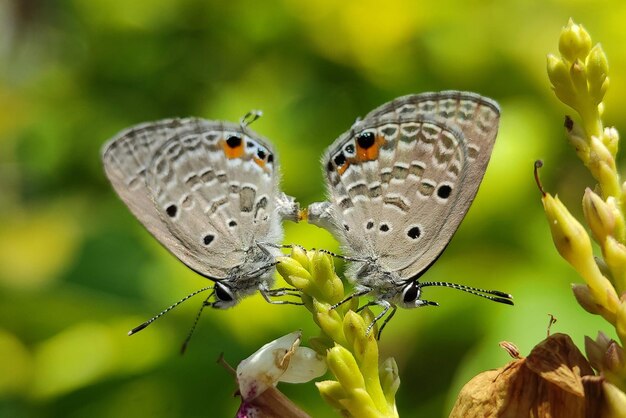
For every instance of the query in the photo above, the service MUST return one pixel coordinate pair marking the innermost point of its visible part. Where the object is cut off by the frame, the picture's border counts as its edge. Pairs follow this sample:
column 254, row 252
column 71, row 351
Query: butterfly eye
column 222, row 293
column 411, row 293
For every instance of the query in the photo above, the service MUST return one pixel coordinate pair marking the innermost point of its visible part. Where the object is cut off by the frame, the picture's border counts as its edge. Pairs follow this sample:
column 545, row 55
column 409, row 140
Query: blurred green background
column 77, row 271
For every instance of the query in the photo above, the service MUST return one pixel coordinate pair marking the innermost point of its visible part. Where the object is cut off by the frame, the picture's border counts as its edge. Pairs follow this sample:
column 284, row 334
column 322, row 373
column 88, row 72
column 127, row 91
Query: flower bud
column 344, row 367
column 610, row 138
column 620, row 325
column 389, row 379
column 585, row 299
column 574, row 42
column 614, row 358
column 574, row 245
column 597, row 73
column 595, row 353
column 559, row 75
column 615, row 257
column 333, row 393
column 598, row 215
column 614, row 401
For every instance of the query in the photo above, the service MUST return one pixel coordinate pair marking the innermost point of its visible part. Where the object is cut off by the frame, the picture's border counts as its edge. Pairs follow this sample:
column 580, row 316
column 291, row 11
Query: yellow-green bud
column 614, row 401
column 620, row 323
column 332, row 392
column 599, row 153
column 559, row 75
column 610, row 138
column 585, row 299
column 574, row 42
column 615, row 257
column 389, row 379
column 574, row 245
column 578, row 74
column 597, row 73
column 344, row 367
column 354, row 329
column 293, row 272
column 602, row 167
column 301, row 256
column 599, row 216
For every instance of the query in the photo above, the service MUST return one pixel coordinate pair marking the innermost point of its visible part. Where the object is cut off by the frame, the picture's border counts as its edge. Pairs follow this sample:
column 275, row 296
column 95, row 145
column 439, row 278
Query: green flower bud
column 559, row 75
column 614, row 401
column 389, row 379
column 620, row 325
column 574, row 245
column 597, row 73
column 615, row 257
column 344, row 367
column 598, row 215
column 574, row 42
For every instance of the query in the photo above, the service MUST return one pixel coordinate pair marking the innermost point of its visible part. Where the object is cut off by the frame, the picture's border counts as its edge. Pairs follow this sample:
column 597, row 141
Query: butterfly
column 208, row 191
column 399, row 183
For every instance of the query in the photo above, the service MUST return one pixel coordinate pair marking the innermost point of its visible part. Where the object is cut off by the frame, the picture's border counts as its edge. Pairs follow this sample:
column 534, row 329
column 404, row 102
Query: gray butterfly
column 209, row 192
column 399, row 183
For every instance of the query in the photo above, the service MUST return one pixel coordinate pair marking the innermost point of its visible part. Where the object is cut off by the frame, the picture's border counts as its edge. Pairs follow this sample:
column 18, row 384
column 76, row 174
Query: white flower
column 282, row 360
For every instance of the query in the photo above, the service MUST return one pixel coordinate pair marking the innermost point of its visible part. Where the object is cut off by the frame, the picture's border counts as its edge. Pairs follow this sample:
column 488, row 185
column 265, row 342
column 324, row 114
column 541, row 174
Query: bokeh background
column 77, row 271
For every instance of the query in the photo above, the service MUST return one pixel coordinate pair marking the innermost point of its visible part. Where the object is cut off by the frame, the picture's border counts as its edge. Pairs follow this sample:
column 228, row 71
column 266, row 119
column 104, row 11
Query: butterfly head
column 224, row 296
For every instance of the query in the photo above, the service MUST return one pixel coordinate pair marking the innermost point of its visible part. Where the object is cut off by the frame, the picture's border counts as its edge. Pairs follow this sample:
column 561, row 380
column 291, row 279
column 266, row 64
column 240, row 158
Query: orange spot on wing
column 232, row 152
column 342, row 168
column 259, row 162
column 371, row 153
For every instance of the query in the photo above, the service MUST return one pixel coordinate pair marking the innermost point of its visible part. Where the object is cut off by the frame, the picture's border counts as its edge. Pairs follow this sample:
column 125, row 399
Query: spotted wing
column 402, row 179
column 206, row 190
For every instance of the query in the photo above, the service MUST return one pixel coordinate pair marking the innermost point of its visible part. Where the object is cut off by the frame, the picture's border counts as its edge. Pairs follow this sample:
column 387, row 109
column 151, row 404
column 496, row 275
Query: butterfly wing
column 402, row 179
column 206, row 190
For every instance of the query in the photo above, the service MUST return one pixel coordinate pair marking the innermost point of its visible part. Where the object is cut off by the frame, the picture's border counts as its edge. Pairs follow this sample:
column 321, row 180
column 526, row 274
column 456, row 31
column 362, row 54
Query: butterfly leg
column 386, row 306
column 269, row 293
column 359, row 292
column 380, row 330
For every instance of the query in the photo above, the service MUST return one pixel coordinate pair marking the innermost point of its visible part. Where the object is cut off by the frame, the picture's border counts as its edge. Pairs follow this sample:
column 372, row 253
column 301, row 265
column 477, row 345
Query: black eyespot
column 346, row 227
column 222, row 293
column 249, row 144
column 208, row 239
column 384, row 227
column 270, row 158
column 232, row 223
column 340, row 159
column 349, row 149
column 330, row 166
column 171, row 210
column 261, row 154
column 411, row 293
column 414, row 232
column 370, row 225
column 444, row 191
column 233, row 141
column 366, row 139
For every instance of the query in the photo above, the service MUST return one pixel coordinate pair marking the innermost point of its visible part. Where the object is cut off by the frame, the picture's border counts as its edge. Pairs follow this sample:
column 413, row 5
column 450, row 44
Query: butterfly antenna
column 166, row 310
column 206, row 303
column 494, row 295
